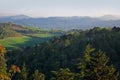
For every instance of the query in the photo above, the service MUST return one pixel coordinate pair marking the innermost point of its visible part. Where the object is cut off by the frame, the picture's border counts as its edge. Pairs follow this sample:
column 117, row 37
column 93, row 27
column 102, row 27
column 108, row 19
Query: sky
column 47, row 8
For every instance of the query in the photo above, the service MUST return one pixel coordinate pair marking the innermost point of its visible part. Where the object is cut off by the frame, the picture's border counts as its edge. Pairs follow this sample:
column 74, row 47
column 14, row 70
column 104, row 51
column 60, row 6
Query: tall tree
column 38, row 76
column 3, row 65
column 95, row 66
column 23, row 72
column 63, row 74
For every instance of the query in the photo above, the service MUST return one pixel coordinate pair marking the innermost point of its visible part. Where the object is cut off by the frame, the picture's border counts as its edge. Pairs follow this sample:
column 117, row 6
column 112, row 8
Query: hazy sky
column 45, row 8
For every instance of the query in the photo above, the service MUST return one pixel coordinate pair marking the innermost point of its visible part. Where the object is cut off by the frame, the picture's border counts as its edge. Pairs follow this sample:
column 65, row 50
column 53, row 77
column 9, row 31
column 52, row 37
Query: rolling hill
column 64, row 23
column 17, row 36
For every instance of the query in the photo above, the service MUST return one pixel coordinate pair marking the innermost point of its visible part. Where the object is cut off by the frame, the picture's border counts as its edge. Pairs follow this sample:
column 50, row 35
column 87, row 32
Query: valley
column 16, row 36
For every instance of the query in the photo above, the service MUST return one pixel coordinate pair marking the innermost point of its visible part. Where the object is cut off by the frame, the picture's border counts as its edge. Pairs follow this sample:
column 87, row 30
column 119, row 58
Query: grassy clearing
column 9, row 42
column 17, row 42
column 43, row 35
column 27, row 40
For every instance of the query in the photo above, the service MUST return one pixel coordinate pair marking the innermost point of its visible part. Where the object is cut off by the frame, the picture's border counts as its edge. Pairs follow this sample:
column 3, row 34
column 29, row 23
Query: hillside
column 9, row 30
column 15, row 36
column 64, row 23
column 66, row 51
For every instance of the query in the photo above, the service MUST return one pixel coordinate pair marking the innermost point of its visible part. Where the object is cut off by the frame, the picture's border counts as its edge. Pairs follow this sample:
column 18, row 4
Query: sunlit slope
column 16, row 36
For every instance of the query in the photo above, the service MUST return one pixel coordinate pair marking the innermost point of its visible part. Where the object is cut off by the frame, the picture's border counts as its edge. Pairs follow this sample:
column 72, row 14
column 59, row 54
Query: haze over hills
column 64, row 23
column 110, row 17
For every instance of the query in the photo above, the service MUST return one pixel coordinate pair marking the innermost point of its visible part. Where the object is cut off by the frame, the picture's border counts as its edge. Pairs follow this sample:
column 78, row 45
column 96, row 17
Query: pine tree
column 38, row 76
column 95, row 66
column 63, row 74
column 24, row 72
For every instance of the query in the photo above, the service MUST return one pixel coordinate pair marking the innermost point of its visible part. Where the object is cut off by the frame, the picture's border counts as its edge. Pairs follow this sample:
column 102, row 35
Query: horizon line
column 59, row 16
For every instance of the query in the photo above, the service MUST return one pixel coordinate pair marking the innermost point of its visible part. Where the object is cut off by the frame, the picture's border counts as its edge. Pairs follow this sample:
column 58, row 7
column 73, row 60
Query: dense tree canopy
column 67, row 51
column 95, row 66
column 63, row 74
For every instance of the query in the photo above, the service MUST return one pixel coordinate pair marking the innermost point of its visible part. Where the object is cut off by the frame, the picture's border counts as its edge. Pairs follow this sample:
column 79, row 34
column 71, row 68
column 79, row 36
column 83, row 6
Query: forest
column 78, row 55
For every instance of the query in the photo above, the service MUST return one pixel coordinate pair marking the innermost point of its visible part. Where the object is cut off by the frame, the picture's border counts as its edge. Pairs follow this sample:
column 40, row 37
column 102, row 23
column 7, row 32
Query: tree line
column 93, row 66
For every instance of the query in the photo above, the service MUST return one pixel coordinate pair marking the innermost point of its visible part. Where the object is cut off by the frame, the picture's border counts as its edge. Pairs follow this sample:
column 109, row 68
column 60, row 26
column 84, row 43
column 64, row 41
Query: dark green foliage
column 23, row 74
column 95, row 66
column 38, row 76
column 63, row 74
column 66, row 51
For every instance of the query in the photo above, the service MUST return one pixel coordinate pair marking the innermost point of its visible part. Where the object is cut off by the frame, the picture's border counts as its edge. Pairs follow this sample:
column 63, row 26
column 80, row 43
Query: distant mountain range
column 110, row 17
column 64, row 23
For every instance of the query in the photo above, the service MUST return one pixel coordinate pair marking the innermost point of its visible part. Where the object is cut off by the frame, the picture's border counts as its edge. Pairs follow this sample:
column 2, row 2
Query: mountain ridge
column 64, row 23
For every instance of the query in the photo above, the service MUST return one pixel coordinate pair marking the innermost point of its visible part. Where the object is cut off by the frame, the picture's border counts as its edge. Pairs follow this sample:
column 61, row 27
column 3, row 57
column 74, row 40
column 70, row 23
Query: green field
column 24, row 41
column 16, row 36
column 42, row 35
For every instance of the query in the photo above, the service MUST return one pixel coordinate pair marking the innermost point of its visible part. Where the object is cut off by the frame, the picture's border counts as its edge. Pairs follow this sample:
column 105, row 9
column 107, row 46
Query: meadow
column 24, row 41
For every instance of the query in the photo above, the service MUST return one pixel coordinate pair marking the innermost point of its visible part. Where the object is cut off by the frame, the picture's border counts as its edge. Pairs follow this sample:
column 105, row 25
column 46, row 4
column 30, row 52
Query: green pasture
column 21, row 42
